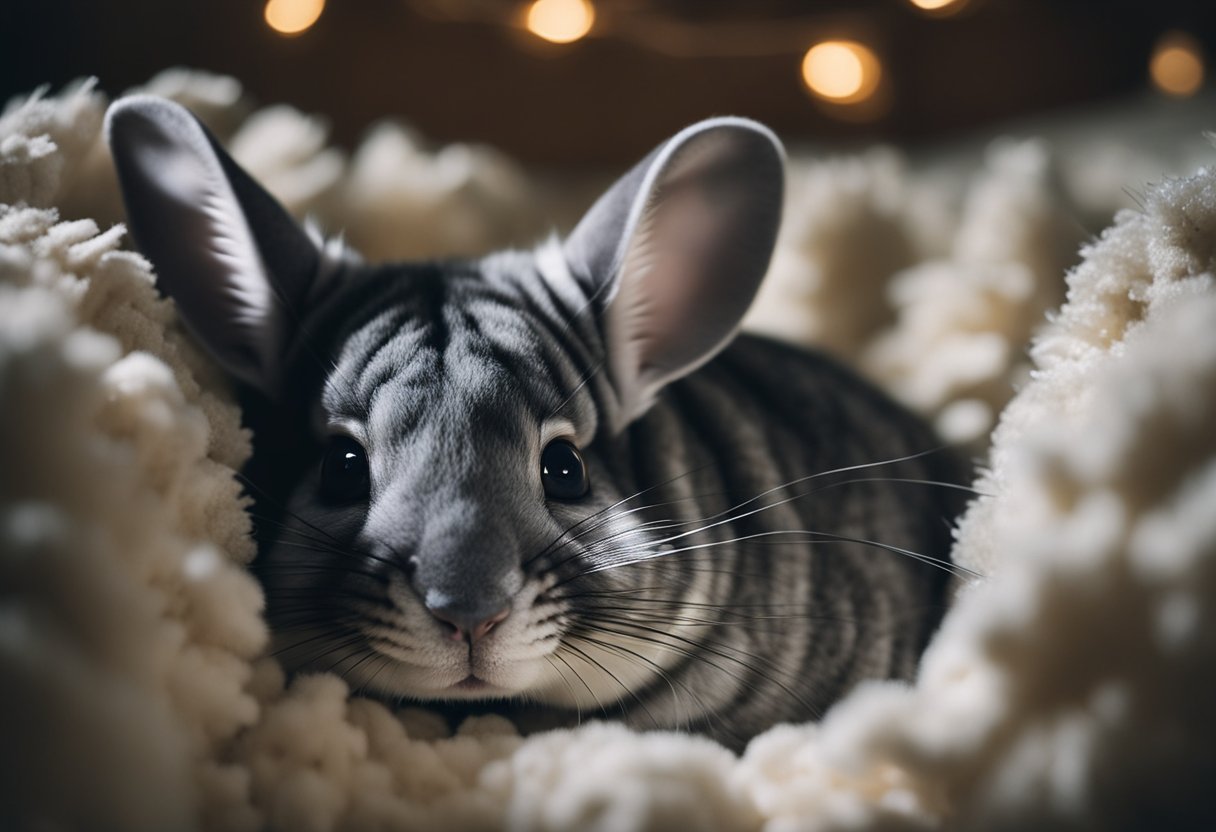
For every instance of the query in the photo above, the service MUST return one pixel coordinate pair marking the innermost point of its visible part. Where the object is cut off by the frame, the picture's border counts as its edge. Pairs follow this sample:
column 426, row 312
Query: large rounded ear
column 674, row 252
column 237, row 264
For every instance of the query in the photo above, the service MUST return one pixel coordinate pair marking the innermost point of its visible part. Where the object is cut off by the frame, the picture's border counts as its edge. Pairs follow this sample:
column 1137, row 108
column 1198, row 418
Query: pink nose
column 462, row 627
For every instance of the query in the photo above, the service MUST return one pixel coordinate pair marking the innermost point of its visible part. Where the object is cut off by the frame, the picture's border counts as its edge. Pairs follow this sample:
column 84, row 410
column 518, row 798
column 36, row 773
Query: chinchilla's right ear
column 237, row 264
column 674, row 252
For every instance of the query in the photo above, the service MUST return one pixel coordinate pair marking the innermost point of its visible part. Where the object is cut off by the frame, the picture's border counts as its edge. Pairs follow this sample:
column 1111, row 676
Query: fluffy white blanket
column 1075, row 687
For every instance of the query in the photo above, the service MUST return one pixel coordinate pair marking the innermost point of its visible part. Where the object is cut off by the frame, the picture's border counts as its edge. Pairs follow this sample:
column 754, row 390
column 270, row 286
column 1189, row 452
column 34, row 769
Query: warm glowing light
column 291, row 17
column 943, row 6
column 1177, row 65
column 842, row 71
column 560, row 21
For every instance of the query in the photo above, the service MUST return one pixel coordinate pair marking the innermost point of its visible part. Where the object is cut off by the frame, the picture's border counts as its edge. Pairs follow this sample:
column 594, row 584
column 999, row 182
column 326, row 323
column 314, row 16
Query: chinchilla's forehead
column 469, row 342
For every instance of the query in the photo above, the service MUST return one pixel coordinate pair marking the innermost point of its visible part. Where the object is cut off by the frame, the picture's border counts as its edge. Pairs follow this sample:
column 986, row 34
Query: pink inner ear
column 696, row 257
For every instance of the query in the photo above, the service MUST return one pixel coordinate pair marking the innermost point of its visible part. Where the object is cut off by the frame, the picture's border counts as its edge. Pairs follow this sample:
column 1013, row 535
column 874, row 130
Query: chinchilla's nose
column 465, row 621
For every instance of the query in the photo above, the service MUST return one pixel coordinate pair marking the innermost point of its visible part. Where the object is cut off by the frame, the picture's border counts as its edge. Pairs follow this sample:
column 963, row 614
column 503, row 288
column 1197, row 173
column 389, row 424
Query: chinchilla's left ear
column 237, row 264
column 674, row 252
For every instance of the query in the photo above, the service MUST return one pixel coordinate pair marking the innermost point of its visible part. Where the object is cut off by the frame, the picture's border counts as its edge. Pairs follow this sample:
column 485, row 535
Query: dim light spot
column 1177, row 65
column 842, row 71
column 939, row 6
column 560, row 21
column 293, row 17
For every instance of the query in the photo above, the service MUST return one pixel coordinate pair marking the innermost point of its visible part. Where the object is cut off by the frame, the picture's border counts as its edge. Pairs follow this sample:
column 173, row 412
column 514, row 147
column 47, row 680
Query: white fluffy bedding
column 1075, row 687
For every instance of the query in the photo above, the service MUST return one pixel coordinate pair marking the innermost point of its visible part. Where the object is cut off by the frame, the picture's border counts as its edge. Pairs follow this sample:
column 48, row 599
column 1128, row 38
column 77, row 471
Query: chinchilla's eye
column 344, row 474
column 562, row 471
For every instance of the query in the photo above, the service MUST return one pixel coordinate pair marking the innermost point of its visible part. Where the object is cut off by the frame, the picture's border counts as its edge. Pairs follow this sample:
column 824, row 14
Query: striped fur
column 762, row 530
column 700, row 586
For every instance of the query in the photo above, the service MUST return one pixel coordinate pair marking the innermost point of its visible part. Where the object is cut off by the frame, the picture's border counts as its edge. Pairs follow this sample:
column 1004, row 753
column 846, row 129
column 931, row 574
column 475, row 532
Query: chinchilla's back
column 798, row 485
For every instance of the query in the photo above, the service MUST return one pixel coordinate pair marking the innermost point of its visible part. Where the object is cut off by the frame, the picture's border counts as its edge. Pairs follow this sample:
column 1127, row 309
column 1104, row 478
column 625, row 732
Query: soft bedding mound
column 1073, row 687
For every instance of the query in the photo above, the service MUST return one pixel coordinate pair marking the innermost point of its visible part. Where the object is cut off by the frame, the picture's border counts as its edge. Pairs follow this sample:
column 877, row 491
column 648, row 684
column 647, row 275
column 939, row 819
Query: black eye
column 344, row 475
column 562, row 471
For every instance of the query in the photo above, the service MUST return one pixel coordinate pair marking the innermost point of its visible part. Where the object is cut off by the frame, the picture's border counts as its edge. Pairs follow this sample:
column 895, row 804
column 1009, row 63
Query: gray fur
column 703, row 583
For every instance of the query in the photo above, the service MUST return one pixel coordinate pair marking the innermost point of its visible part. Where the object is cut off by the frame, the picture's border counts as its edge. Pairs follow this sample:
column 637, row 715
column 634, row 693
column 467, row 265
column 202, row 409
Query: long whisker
column 655, row 636
column 734, row 518
column 367, row 684
column 265, row 495
column 812, row 536
column 582, row 654
column 605, row 513
column 328, row 639
column 727, row 516
column 626, row 654
column 578, row 709
column 634, row 655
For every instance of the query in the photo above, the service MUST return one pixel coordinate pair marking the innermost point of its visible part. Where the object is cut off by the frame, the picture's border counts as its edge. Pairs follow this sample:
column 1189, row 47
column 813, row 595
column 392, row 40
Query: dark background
column 602, row 101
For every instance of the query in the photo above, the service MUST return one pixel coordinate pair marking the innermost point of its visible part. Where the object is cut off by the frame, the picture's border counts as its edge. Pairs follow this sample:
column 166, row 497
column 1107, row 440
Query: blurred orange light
column 842, row 71
column 292, row 17
column 1176, row 66
column 560, row 21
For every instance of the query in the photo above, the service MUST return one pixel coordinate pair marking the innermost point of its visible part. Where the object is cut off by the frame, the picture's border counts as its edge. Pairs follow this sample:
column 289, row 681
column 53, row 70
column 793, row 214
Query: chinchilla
column 556, row 482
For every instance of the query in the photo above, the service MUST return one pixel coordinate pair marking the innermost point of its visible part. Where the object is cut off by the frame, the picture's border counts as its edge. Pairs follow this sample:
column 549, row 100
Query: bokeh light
column 841, row 71
column 942, row 7
column 560, row 21
column 1176, row 66
column 293, row 17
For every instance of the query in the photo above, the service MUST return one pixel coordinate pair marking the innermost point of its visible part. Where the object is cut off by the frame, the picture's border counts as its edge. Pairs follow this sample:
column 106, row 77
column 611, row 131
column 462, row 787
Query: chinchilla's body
column 551, row 480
